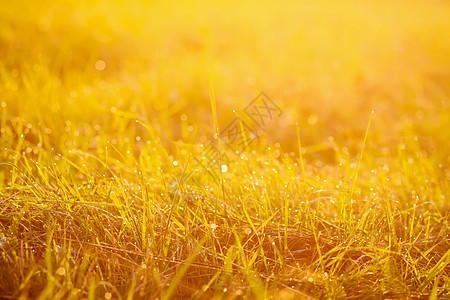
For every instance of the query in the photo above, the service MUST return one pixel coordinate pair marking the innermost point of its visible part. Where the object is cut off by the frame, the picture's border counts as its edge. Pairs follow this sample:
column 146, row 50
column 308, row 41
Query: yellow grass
column 120, row 122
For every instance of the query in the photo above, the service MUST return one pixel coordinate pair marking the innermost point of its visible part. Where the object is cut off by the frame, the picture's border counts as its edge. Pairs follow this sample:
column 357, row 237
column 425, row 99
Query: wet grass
column 132, row 167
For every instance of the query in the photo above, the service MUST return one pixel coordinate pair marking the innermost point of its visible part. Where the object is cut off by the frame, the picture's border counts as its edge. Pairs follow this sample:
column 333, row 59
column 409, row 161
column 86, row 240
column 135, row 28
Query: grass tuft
column 116, row 183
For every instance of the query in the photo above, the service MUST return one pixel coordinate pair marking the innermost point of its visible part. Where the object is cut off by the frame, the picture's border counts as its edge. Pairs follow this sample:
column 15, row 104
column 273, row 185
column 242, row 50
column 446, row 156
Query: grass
column 119, row 177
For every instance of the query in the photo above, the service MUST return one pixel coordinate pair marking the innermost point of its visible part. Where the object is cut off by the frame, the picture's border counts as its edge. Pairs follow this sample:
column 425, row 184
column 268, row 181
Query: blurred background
column 75, row 69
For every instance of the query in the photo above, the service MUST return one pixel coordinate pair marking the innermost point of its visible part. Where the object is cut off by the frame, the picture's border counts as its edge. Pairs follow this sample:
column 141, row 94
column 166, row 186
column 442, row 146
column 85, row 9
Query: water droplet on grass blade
column 61, row 271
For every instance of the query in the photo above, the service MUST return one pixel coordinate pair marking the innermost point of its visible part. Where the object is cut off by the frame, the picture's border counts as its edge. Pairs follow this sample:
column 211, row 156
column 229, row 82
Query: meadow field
column 224, row 149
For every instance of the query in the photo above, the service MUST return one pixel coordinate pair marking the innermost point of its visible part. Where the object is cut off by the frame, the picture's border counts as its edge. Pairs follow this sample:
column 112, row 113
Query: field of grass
column 225, row 149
